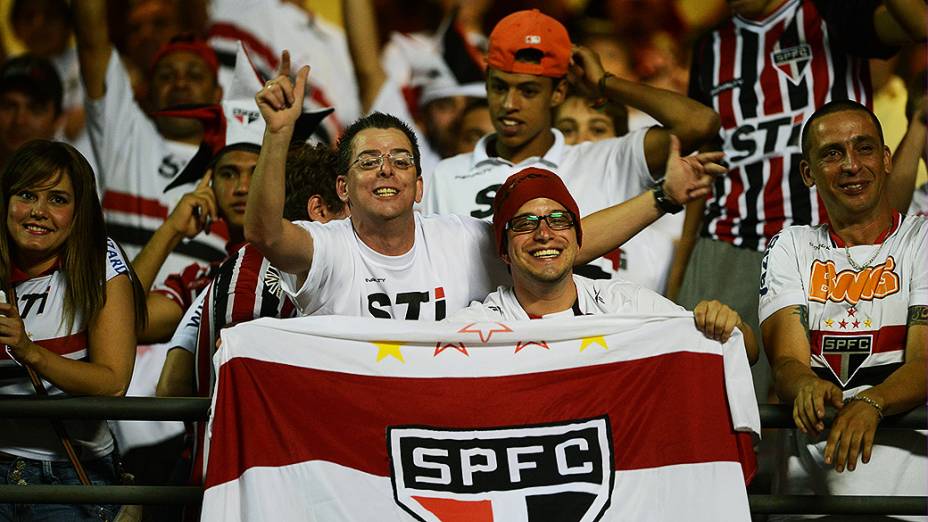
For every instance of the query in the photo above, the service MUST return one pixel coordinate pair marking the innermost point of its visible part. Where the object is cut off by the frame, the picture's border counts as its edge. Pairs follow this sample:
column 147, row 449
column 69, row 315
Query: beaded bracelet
column 868, row 400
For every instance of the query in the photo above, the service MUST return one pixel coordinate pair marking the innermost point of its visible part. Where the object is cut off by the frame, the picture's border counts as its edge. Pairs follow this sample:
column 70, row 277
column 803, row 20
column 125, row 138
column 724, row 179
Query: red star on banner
column 851, row 311
column 856, row 324
column 489, row 334
column 523, row 344
column 843, row 323
column 439, row 347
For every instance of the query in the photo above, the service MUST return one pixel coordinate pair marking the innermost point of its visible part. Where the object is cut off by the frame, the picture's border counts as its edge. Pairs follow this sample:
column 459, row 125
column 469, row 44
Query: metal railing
column 192, row 409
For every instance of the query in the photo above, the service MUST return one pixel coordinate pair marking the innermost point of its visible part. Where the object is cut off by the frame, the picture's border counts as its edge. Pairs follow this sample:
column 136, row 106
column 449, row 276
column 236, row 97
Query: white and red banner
column 578, row 419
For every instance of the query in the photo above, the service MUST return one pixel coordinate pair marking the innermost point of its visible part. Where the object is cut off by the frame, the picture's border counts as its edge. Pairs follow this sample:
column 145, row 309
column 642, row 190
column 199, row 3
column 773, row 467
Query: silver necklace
column 847, row 252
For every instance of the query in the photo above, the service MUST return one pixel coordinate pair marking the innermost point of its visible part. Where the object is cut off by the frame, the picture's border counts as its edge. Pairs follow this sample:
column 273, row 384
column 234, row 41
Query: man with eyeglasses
column 388, row 261
column 538, row 234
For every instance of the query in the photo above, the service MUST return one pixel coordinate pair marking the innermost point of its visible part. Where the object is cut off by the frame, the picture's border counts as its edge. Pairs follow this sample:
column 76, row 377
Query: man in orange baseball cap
column 531, row 66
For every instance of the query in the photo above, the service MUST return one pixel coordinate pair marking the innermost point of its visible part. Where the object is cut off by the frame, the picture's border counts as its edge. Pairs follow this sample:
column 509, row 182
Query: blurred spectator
column 422, row 79
column 140, row 156
column 139, row 28
column 44, row 28
column 267, row 27
column 30, row 103
column 579, row 121
column 473, row 124
column 149, row 25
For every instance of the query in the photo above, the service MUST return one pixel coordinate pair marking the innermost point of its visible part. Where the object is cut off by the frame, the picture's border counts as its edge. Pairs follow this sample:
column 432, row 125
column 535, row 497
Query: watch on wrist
column 664, row 204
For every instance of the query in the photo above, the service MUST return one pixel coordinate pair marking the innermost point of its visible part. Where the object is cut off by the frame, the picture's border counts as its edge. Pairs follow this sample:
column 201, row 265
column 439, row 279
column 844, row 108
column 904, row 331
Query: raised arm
column 692, row 122
column 901, row 22
column 686, row 179
column 93, row 44
column 905, row 160
column 361, row 30
column 111, row 346
column 190, row 216
column 285, row 245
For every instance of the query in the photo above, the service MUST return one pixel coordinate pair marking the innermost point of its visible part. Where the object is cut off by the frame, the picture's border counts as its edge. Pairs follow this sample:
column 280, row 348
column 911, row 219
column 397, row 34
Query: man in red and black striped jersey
column 765, row 71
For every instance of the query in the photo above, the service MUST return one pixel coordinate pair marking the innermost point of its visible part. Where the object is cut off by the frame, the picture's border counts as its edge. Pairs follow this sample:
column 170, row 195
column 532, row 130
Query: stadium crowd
column 172, row 168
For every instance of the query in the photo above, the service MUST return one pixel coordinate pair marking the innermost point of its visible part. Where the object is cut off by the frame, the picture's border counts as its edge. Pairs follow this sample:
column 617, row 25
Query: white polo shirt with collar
column 598, row 174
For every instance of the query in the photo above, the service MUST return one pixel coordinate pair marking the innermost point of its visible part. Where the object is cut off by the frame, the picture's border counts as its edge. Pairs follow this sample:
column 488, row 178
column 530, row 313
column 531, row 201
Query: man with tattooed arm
column 844, row 315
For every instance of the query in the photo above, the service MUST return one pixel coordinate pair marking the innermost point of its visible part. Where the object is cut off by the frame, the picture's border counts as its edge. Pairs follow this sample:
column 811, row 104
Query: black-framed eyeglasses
column 557, row 220
column 398, row 160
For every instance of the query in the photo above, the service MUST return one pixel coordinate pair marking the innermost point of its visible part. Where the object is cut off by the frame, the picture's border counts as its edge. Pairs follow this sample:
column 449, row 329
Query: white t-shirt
column 594, row 297
column 857, row 323
column 135, row 165
column 451, row 263
column 598, row 174
column 41, row 305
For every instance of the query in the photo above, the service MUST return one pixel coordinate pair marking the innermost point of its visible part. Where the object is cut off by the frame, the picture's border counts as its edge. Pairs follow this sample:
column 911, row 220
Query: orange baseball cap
column 530, row 30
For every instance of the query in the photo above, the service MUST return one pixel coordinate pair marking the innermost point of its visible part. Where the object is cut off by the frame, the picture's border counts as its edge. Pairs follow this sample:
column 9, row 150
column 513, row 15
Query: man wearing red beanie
column 536, row 224
column 139, row 155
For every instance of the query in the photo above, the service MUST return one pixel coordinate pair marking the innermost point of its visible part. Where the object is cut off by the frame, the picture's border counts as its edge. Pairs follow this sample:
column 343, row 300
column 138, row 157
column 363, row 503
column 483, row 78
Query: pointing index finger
column 284, row 68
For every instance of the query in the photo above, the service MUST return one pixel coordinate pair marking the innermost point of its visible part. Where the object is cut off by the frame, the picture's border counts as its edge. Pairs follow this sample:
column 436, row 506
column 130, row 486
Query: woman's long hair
column 83, row 255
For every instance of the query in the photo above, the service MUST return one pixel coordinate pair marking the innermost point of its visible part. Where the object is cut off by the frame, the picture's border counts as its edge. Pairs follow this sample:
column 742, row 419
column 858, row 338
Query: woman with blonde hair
column 69, row 327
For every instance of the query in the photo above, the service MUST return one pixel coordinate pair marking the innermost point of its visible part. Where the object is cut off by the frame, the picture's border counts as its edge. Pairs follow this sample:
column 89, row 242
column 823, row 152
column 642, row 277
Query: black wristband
column 664, row 204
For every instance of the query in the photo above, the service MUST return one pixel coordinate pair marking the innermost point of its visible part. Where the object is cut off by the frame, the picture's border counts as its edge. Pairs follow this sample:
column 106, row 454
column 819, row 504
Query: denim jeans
column 23, row 472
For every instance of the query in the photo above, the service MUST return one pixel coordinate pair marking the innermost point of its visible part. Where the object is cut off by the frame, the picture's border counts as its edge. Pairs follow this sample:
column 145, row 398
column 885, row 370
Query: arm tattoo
column 918, row 316
column 803, row 312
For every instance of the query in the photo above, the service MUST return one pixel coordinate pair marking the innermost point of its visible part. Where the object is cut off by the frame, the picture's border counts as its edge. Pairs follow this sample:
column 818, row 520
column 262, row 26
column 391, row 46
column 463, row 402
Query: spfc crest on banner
column 560, row 472
column 792, row 61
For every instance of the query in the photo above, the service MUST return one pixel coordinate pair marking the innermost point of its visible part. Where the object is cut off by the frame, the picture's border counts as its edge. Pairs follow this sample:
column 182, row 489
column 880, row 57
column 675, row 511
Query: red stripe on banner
column 252, row 42
column 886, row 339
column 727, row 73
column 132, row 204
column 774, row 205
column 821, row 75
column 769, row 77
column 664, row 410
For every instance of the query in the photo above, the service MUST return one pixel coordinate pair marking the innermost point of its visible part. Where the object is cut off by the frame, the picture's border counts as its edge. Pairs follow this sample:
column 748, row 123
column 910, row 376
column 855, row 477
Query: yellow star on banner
column 596, row 339
column 868, row 323
column 386, row 349
column 829, row 322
